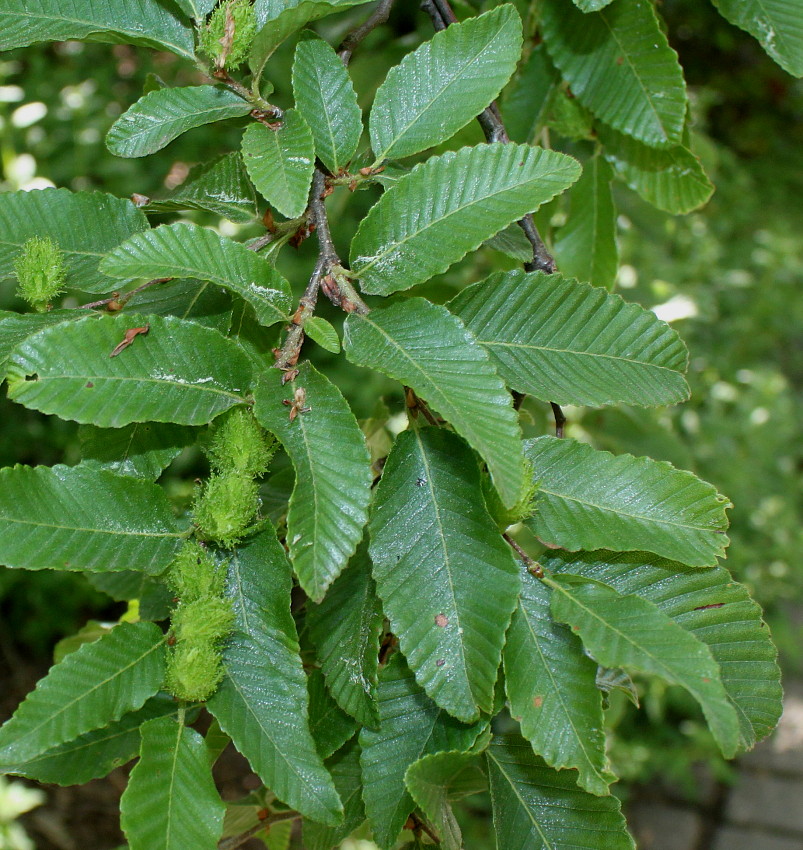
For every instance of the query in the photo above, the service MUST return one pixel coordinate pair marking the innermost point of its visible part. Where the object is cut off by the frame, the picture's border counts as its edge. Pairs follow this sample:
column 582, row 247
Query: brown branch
column 560, row 419
column 533, row 566
column 353, row 38
column 490, row 120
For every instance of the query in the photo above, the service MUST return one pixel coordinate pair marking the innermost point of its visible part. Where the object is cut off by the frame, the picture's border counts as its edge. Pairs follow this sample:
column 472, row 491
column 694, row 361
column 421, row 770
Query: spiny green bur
column 41, row 272
column 205, row 620
column 194, row 670
column 224, row 508
column 245, row 26
column 524, row 507
column 195, row 574
column 240, row 445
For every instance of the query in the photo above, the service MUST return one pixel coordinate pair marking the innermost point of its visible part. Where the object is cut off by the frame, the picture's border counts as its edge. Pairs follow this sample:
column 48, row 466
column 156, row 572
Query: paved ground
column 763, row 810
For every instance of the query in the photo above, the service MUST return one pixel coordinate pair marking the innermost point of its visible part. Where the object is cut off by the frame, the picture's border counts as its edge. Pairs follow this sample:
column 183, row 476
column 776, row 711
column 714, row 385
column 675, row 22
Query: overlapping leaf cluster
column 418, row 617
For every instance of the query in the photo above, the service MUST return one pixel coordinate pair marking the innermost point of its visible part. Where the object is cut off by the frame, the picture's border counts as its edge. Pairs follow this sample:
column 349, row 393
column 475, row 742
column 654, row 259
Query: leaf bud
column 41, row 272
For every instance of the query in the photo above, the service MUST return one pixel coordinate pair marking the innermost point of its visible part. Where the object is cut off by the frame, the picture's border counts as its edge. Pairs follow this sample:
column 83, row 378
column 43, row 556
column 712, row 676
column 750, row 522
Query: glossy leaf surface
column 448, row 206
column 330, row 726
column 92, row 687
column 428, row 349
column 445, row 83
column 74, row 518
column 620, row 66
column 436, row 553
column 672, row 180
column 178, row 372
column 17, row 327
column 777, row 24
column 171, row 802
column 410, row 726
column 262, row 702
column 95, row 754
column 329, row 505
column 551, row 685
column 631, row 632
column 280, row 162
column 436, row 780
column 345, row 630
column 538, row 808
column 150, row 23
column 326, row 98
column 164, row 114
column 187, row 250
column 141, row 449
column 586, row 244
column 571, row 343
column 85, row 225
column 712, row 607
column 589, row 499
column 221, row 186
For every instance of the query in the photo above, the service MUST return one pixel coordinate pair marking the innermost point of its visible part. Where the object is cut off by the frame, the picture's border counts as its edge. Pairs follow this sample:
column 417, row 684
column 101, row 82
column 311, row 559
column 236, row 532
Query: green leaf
column 279, row 19
column 571, row 343
column 92, row 687
column 95, row 754
column 171, row 802
column 345, row 630
column 672, row 180
column 150, row 23
column 591, row 5
column 513, row 242
column 631, row 632
column 345, row 769
column 203, row 303
column 323, row 333
column 326, row 99
column 329, row 505
column 187, row 250
column 85, row 225
column 73, row 518
column 445, row 83
column 330, row 726
column 280, row 162
column 538, row 808
column 178, row 372
column 436, row 780
column 586, row 245
column 221, row 187
column 17, row 327
column 197, row 9
column 777, row 24
column 154, row 598
column 551, row 685
column 435, row 549
column 589, row 499
column 140, row 450
column 426, row 348
column 712, row 607
column 161, row 116
column 411, row 726
column 527, row 101
column 262, row 701
column 419, row 228
column 620, row 66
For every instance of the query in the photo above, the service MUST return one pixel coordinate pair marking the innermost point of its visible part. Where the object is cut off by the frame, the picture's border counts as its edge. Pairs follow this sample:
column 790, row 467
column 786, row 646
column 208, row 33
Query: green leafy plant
column 384, row 625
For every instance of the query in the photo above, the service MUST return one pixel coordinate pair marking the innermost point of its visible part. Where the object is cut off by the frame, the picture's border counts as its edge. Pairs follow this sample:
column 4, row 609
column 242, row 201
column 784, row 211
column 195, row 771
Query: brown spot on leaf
column 89, row 385
column 440, row 662
column 538, row 701
column 441, row 620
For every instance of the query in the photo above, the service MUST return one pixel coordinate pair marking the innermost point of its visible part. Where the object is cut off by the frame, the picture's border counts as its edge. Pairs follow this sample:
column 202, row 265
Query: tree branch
column 238, row 840
column 353, row 38
column 490, row 120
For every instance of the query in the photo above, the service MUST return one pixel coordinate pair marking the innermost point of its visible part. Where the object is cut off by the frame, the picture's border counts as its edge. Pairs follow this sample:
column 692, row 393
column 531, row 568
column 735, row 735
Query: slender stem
column 420, row 825
column 560, row 419
column 532, row 566
column 353, row 38
column 238, row 840
column 491, row 122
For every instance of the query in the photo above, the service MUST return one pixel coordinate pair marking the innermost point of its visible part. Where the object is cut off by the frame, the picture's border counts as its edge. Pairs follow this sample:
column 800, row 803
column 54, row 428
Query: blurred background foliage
column 726, row 276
